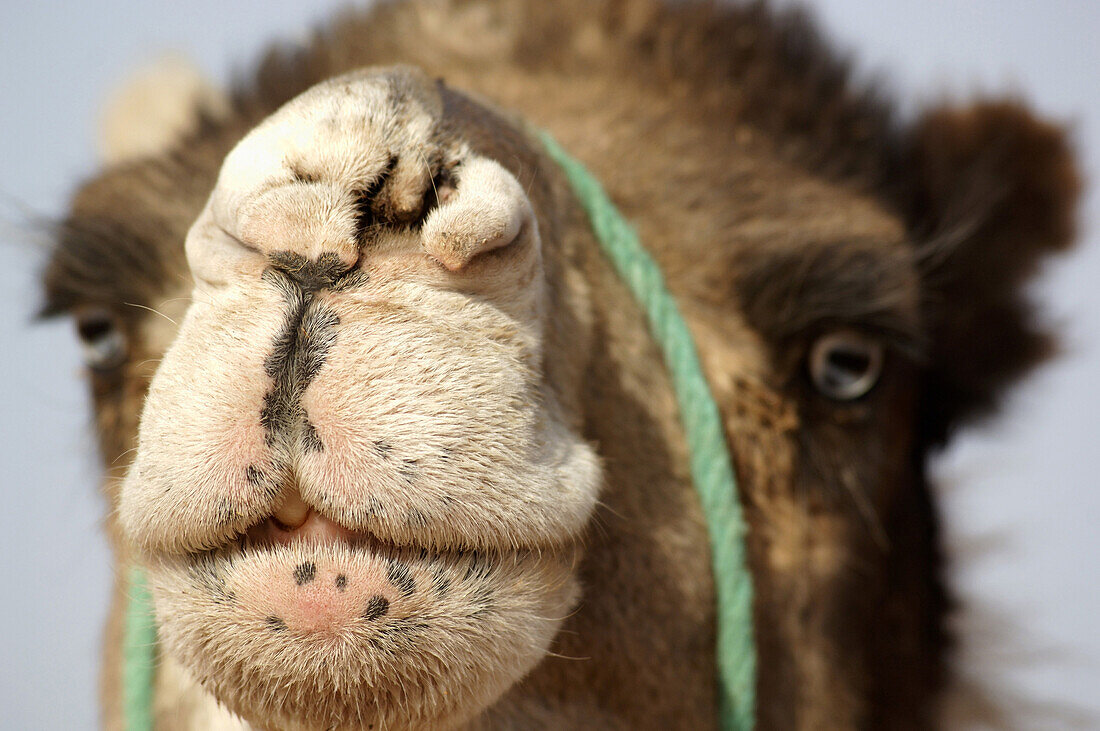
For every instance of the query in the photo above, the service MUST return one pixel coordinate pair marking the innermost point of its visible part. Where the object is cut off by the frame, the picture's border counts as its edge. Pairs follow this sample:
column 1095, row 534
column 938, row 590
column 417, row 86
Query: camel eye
column 845, row 365
column 103, row 343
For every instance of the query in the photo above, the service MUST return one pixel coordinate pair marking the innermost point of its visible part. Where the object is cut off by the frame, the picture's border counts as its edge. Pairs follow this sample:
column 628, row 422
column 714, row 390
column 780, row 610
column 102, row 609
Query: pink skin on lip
column 316, row 592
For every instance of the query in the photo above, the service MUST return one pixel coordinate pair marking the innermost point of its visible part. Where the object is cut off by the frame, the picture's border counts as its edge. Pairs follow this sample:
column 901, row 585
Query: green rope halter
column 711, row 470
column 711, row 466
column 139, row 656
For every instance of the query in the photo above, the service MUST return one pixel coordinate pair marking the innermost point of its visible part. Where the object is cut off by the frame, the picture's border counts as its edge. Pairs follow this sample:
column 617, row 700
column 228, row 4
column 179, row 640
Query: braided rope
column 711, row 466
column 139, row 655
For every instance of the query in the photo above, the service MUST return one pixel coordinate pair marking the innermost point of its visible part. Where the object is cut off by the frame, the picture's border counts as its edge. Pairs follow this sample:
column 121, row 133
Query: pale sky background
column 1020, row 495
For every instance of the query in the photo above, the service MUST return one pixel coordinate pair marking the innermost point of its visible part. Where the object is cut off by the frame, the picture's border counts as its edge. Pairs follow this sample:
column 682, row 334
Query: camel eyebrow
column 789, row 294
column 97, row 260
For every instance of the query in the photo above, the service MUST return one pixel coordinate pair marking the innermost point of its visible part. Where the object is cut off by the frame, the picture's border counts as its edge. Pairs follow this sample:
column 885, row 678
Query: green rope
column 139, row 651
column 711, row 466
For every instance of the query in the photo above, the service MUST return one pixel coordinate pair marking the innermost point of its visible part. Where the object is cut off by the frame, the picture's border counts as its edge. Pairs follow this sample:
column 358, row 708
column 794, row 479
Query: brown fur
column 781, row 203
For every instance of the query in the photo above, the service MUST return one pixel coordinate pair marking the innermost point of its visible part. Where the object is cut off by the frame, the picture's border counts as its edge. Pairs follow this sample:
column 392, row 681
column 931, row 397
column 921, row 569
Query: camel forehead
column 803, row 206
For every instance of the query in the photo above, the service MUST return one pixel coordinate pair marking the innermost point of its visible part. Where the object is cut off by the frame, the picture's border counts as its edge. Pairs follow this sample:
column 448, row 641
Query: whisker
column 143, row 307
column 431, row 178
column 128, row 451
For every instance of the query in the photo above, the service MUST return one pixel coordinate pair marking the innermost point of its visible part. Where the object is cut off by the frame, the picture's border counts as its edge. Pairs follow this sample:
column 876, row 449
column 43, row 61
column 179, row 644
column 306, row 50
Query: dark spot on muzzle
column 401, row 578
column 276, row 624
column 305, row 573
column 376, row 607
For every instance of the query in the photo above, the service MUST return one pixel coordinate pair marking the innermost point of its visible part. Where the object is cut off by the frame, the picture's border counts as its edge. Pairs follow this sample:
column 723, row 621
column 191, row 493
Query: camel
column 405, row 451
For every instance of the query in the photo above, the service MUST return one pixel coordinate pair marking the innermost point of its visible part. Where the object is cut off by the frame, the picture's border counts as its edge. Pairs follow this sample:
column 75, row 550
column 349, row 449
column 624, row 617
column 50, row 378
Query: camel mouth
column 295, row 520
column 316, row 529
column 296, row 524
column 321, row 532
column 314, row 584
